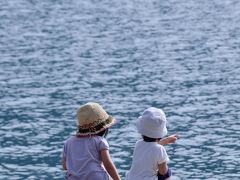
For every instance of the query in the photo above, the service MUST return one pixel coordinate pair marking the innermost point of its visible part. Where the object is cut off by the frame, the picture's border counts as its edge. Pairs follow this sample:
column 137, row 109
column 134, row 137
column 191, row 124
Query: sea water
column 181, row 56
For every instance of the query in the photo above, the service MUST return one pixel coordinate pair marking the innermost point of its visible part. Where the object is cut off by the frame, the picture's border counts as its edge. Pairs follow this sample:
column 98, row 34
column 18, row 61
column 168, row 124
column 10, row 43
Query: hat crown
column 152, row 123
column 90, row 113
column 154, row 117
column 92, row 119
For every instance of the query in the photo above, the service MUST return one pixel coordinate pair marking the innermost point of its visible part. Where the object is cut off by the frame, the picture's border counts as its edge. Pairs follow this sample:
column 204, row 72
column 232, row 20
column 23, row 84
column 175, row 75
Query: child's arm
column 163, row 171
column 64, row 163
column 109, row 166
column 168, row 140
column 162, row 168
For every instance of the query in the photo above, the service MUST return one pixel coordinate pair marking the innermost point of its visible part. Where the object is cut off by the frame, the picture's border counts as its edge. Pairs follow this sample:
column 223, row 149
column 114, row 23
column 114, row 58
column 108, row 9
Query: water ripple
column 126, row 55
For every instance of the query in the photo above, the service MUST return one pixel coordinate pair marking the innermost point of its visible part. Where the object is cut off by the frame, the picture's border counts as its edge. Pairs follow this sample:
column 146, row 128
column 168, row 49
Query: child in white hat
column 150, row 157
column 86, row 155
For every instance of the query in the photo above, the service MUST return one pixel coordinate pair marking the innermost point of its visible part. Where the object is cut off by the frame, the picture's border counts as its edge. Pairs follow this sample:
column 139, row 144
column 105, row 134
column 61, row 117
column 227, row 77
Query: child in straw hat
column 86, row 155
column 150, row 157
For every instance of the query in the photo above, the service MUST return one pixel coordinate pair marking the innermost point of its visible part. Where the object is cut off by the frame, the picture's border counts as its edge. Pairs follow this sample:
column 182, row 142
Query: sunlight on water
column 182, row 56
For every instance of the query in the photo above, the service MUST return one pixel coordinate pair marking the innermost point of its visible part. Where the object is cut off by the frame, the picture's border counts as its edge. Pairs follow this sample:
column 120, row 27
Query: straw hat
column 152, row 123
column 92, row 119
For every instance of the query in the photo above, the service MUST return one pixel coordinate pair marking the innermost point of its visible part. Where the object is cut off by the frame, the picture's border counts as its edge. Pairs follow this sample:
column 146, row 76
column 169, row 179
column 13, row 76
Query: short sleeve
column 162, row 155
column 104, row 144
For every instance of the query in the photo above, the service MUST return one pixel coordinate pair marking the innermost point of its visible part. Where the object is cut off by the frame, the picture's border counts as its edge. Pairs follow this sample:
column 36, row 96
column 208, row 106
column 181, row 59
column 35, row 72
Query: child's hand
column 172, row 139
column 168, row 140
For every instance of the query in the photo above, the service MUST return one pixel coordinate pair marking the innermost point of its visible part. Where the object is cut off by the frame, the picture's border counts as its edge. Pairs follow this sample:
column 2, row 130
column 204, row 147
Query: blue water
column 182, row 56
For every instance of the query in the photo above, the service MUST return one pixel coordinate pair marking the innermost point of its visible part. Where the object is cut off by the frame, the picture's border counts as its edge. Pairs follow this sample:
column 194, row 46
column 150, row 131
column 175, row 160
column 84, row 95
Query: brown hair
column 149, row 139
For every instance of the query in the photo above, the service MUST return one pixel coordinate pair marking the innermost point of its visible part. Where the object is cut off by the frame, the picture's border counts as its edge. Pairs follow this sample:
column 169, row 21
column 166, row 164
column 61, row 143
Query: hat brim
column 150, row 132
column 110, row 121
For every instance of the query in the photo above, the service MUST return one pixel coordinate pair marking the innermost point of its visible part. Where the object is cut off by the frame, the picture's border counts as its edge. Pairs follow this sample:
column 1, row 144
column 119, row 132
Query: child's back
column 86, row 155
column 149, row 157
column 146, row 157
column 84, row 159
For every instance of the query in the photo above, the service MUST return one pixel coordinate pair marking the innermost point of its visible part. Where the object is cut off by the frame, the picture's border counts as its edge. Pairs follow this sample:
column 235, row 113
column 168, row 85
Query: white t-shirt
column 146, row 157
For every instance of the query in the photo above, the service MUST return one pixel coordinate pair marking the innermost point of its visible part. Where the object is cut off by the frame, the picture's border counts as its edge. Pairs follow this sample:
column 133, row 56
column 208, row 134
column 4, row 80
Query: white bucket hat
column 152, row 123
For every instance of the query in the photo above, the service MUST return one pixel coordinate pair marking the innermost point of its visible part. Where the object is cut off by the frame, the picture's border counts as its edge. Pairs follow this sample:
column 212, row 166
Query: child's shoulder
column 71, row 138
column 94, row 138
column 99, row 138
column 152, row 145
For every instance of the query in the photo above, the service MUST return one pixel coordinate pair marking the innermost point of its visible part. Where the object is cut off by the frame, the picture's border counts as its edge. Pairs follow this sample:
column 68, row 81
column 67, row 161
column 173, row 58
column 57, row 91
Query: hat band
column 94, row 129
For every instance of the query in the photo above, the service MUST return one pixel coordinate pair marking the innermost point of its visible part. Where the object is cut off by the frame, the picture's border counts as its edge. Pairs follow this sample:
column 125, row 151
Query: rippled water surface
column 182, row 56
